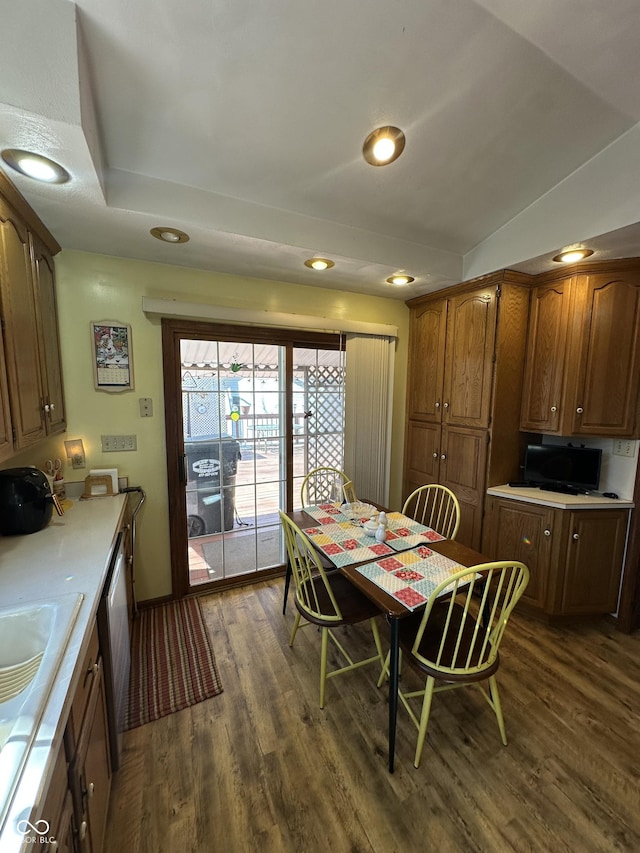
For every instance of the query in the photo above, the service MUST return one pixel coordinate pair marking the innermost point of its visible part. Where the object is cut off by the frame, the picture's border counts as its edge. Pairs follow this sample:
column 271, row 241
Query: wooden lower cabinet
column 57, row 810
column 77, row 799
column 455, row 457
column 595, row 542
column 521, row 531
column 462, row 469
column 90, row 772
column 87, row 751
column 574, row 556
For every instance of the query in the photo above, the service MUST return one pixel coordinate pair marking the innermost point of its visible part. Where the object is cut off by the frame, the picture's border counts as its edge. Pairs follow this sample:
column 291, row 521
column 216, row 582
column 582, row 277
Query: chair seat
column 354, row 606
column 432, row 637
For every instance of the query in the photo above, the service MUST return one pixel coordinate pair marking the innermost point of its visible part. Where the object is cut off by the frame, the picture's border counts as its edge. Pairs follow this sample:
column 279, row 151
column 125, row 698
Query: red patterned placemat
column 411, row 576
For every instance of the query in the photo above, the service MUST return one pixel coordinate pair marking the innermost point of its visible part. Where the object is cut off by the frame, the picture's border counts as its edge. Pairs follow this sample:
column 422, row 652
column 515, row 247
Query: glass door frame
column 173, row 332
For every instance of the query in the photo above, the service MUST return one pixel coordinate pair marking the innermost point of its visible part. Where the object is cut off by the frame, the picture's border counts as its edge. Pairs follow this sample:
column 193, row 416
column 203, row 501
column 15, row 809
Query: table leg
column 287, row 581
column 394, row 661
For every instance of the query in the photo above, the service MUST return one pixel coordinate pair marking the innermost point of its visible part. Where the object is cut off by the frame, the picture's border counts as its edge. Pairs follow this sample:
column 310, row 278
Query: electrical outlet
column 624, row 447
column 113, row 443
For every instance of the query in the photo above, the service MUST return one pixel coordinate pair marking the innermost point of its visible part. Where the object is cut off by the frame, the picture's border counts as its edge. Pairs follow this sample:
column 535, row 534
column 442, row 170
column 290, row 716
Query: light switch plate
column 113, row 443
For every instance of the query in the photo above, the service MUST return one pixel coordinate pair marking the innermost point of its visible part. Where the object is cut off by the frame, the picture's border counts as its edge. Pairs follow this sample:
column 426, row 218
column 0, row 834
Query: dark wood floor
column 262, row 768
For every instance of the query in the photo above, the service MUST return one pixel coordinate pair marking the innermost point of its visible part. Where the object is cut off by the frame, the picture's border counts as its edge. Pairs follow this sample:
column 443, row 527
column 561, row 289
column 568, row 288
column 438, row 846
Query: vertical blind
column 368, row 401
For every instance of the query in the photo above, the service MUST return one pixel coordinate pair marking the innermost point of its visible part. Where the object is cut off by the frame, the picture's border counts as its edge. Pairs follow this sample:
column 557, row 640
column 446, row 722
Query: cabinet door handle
column 554, row 408
column 82, row 832
column 436, row 405
column 579, row 410
column 52, row 406
column 435, row 454
column 446, row 405
column 443, row 456
column 93, row 669
column 46, row 407
column 547, row 532
column 576, row 536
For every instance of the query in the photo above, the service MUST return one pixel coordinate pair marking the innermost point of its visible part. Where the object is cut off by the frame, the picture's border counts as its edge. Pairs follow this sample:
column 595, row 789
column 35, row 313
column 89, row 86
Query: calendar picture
column 112, row 356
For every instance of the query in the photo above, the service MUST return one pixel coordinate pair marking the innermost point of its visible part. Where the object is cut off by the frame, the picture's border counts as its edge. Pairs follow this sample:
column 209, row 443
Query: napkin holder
column 97, row 486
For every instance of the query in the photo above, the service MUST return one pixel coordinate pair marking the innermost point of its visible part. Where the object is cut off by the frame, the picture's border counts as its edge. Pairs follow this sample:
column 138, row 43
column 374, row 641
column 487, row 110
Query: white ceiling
column 242, row 124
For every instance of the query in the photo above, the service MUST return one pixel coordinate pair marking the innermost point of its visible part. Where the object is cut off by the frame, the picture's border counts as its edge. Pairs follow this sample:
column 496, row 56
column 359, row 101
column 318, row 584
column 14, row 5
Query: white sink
column 33, row 638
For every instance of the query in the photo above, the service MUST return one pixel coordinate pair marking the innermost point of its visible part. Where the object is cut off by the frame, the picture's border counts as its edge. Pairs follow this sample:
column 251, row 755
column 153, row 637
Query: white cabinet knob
column 435, row 454
column 579, row 410
column 576, row 536
column 554, row 408
column 82, row 832
column 436, row 405
column 443, row 456
column 547, row 533
column 446, row 405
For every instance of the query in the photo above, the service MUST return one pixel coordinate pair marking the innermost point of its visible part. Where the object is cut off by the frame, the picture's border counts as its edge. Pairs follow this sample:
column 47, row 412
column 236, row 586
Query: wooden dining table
column 393, row 609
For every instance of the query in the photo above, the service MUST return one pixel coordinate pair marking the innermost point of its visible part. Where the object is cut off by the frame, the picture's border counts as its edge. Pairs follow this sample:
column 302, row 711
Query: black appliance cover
column 26, row 504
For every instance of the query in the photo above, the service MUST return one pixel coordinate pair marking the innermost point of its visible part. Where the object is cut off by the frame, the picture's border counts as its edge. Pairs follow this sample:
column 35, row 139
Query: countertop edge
column 557, row 499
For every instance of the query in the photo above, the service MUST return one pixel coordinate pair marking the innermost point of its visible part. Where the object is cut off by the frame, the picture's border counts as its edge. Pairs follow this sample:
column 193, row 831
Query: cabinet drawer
column 88, row 676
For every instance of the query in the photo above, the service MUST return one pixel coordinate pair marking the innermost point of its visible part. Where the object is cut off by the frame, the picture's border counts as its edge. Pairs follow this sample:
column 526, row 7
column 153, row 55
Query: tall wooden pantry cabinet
column 466, row 357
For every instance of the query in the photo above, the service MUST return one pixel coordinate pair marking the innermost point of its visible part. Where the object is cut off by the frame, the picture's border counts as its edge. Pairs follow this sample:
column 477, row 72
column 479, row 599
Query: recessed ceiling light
column 319, row 264
column 572, row 256
column 400, row 280
column 383, row 145
column 35, row 166
column 170, row 235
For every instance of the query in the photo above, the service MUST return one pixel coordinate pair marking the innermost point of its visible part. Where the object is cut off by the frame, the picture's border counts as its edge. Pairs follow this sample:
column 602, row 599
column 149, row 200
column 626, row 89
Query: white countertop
column 534, row 495
column 70, row 555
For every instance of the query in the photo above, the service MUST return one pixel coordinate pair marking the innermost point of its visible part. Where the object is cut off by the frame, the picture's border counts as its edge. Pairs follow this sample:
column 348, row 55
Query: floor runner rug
column 172, row 662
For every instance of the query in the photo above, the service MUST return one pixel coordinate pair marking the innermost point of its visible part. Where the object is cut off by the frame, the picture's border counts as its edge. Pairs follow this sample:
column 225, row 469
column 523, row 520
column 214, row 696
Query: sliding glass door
column 249, row 412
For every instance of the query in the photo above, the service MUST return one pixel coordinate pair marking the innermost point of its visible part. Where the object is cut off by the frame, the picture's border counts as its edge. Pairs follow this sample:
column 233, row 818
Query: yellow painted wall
column 99, row 287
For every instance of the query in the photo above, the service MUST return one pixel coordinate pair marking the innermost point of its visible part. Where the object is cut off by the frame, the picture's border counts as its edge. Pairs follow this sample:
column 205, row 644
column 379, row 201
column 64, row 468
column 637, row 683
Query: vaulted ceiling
column 242, row 124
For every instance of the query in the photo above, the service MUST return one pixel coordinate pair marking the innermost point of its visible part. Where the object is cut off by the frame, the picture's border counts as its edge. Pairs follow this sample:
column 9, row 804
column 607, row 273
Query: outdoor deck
column 253, row 538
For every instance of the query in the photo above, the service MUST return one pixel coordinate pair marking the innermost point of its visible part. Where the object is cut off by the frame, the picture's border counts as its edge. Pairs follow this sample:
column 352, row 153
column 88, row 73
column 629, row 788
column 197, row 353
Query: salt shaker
column 381, row 533
column 382, row 519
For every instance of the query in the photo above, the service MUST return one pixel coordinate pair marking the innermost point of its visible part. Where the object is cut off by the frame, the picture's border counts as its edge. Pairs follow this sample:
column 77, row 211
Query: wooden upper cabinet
column 22, row 352
column 55, row 421
column 468, row 374
column 605, row 377
column 582, row 374
column 451, row 364
column 427, row 333
column 545, row 359
column 31, row 399
column 6, row 437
